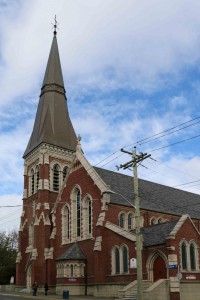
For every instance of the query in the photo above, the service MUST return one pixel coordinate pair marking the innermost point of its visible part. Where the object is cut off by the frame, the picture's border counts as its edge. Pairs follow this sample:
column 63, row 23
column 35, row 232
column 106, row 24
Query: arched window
column 122, row 220
column 56, row 178
column 71, row 270
column 160, row 220
column 78, row 213
column 130, row 221
column 32, row 182
column 153, row 221
column 88, row 216
column 65, row 170
column 184, row 256
column 120, row 259
column 65, row 224
column 31, row 235
column 125, row 259
column 192, row 257
column 37, row 177
column 117, row 261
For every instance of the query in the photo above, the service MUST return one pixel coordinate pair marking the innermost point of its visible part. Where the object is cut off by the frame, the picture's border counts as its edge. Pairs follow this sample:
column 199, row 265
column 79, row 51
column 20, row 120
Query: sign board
column 72, row 279
column 133, row 263
column 193, row 277
column 175, row 266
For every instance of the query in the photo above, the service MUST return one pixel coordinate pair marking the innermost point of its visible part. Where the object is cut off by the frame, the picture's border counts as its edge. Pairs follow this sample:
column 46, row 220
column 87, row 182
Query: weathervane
column 55, row 25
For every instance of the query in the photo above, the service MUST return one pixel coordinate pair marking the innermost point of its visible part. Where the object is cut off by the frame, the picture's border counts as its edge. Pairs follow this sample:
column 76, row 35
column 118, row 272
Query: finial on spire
column 55, row 25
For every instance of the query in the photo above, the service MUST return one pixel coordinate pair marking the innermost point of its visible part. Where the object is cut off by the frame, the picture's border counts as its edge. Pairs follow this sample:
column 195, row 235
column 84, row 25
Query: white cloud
column 139, row 41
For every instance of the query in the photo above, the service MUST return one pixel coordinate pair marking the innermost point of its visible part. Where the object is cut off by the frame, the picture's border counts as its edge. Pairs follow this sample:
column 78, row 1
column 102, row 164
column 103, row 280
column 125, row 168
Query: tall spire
column 52, row 123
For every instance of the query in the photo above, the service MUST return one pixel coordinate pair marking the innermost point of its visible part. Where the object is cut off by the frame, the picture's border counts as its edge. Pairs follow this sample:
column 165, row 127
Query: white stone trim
column 46, row 205
column 19, row 257
column 46, row 184
column 101, row 218
column 120, row 231
column 90, row 170
column 97, row 245
column 21, row 228
column 29, row 249
column 48, row 253
column 40, row 185
column 179, row 225
column 46, row 220
column 34, row 254
column 53, row 233
column 25, row 194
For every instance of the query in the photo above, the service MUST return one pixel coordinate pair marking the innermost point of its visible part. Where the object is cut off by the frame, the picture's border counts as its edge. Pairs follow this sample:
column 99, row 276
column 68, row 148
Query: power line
column 153, row 139
column 182, row 141
column 140, row 142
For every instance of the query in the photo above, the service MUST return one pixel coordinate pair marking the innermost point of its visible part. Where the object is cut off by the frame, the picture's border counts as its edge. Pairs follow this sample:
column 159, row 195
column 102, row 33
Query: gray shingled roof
column 74, row 253
column 52, row 123
column 153, row 196
column 156, row 234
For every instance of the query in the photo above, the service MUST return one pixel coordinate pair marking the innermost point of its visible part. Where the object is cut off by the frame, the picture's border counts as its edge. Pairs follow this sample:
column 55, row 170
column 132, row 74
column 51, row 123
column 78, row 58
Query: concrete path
column 41, row 296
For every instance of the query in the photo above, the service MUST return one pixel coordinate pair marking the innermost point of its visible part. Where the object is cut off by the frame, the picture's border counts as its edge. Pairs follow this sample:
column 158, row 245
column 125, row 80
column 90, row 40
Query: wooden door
column 159, row 269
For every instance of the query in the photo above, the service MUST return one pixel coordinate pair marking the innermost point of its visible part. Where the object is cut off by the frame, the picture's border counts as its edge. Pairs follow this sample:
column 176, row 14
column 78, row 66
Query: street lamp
column 115, row 193
column 138, row 240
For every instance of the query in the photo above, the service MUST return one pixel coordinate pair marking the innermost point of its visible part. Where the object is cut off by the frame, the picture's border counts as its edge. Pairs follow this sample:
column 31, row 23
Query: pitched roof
column 153, row 196
column 52, row 123
column 156, row 234
column 74, row 253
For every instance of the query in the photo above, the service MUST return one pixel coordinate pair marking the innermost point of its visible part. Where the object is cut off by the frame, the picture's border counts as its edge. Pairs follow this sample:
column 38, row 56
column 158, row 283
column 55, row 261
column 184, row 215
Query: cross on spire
column 55, row 26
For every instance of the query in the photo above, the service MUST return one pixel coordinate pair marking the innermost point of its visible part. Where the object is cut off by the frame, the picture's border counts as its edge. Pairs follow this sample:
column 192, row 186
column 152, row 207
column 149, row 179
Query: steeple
column 52, row 123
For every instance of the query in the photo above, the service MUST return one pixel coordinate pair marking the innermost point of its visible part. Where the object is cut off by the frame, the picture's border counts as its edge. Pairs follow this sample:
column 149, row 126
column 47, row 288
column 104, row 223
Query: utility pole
column 139, row 242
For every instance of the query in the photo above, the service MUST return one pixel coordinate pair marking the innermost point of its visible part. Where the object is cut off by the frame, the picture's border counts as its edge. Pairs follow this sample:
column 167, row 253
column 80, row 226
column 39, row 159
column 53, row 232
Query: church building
column 77, row 228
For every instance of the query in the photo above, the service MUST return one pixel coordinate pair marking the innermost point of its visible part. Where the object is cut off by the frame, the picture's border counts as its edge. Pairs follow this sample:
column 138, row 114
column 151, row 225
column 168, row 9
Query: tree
column 8, row 254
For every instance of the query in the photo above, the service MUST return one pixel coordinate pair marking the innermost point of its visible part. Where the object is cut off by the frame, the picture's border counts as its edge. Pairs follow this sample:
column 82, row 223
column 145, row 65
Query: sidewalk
column 41, row 296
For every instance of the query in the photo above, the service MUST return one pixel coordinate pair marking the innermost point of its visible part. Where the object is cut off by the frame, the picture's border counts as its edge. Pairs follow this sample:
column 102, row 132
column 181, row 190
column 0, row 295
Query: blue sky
column 131, row 70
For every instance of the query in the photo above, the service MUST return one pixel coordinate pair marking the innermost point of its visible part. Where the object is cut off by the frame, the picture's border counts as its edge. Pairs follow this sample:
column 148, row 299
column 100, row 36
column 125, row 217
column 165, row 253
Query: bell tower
column 47, row 159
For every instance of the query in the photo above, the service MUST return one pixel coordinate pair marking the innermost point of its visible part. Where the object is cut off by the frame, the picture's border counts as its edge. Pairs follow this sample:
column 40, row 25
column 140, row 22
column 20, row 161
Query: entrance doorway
column 159, row 269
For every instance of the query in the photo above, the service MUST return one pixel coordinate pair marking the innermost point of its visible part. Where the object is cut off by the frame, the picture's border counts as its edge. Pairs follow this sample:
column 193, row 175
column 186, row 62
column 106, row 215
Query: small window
column 78, row 210
column 32, row 181
column 117, row 264
column 125, row 259
column 71, row 270
column 65, row 170
column 122, row 220
column 192, row 257
column 31, row 235
column 89, row 216
column 56, row 177
column 153, row 221
column 130, row 221
column 37, row 177
column 184, row 256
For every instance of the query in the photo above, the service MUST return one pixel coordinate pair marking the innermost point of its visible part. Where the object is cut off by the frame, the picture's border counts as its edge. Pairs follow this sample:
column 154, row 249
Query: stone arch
column 156, row 266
